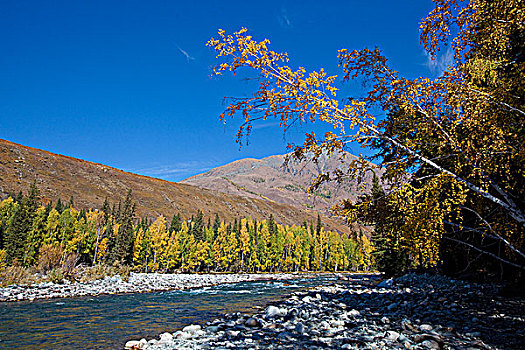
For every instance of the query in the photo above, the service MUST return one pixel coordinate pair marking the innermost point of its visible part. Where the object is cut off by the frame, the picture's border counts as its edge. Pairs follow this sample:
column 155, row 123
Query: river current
column 108, row 321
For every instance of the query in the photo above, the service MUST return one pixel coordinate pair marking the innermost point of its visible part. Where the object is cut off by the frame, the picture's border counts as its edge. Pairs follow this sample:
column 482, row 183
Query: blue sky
column 127, row 83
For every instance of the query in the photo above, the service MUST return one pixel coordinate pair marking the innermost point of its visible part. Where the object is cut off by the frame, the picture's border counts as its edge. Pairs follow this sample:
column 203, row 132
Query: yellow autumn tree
column 158, row 234
column 460, row 134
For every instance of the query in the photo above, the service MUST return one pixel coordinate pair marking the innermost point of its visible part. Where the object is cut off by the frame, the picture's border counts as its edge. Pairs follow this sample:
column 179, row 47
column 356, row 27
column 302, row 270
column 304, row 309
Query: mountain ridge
column 268, row 178
column 89, row 183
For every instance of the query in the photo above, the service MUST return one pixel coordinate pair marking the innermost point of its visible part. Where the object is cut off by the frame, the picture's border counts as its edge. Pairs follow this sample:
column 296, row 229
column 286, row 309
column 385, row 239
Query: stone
column 212, row 329
column 392, row 335
column 426, row 327
column 299, row 328
column 133, row 345
column 192, row 328
column 307, row 299
column 251, row 322
column 232, row 333
column 431, row 344
column 274, row 311
column 386, row 283
column 324, row 325
column 337, row 323
column 183, row 335
column 166, row 337
column 402, row 338
column 285, row 336
column 420, row 338
column 353, row 312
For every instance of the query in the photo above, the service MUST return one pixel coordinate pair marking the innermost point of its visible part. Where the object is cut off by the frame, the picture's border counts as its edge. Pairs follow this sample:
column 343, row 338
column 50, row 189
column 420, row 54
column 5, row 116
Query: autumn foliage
column 452, row 147
column 56, row 241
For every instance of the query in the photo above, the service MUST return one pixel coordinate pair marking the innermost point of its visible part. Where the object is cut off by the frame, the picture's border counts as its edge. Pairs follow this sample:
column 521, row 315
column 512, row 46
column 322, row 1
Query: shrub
column 16, row 275
column 50, row 257
column 55, row 276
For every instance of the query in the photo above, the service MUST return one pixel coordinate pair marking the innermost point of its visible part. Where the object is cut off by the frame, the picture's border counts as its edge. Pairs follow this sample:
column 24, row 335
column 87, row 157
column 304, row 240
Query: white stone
column 324, row 325
column 273, row 311
column 166, row 337
column 425, row 327
column 183, row 335
column 134, row 344
column 307, row 299
column 392, row 335
column 353, row 312
column 192, row 328
column 337, row 323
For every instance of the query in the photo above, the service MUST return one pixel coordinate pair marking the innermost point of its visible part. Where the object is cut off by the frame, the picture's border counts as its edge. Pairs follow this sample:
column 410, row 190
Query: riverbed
column 108, row 321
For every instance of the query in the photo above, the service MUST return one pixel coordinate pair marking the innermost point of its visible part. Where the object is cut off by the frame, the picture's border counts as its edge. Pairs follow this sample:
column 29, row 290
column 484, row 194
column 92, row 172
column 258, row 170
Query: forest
column 59, row 236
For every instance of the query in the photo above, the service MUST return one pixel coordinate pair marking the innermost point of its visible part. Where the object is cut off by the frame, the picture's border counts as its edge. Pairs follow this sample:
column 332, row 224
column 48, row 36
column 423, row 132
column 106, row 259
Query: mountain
column 59, row 176
column 269, row 179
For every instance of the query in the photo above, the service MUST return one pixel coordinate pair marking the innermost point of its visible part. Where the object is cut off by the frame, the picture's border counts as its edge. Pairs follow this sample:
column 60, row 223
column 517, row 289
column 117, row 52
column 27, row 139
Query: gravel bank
column 137, row 283
column 411, row 312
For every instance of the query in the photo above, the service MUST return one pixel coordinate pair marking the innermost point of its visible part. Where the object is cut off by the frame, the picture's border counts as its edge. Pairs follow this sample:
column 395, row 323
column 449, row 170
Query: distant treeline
column 51, row 236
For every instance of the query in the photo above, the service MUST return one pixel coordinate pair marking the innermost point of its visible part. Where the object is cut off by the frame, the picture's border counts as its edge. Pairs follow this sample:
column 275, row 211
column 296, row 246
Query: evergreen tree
column 20, row 226
column 59, row 206
column 390, row 256
column 198, row 227
column 71, row 202
column 19, row 197
column 216, row 225
column 106, row 209
column 272, row 227
column 123, row 250
column 2, row 234
column 176, row 223
column 319, row 224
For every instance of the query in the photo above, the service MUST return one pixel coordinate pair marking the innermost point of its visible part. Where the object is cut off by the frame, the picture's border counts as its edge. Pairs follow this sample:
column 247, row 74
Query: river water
column 108, row 321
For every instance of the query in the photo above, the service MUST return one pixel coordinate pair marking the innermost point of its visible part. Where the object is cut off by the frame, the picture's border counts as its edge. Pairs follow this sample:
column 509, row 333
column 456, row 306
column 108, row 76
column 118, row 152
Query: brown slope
column 267, row 178
column 59, row 176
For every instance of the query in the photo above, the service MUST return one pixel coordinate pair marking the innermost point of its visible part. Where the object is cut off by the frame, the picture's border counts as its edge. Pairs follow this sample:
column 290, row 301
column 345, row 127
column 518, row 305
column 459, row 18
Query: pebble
column 355, row 314
column 137, row 283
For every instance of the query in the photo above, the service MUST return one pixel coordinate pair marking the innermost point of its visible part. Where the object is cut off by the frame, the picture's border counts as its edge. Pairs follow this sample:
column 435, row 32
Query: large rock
column 134, row 345
column 274, row 311
column 166, row 337
column 192, row 328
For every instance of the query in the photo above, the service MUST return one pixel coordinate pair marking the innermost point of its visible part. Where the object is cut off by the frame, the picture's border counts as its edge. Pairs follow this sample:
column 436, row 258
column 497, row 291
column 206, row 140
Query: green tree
column 123, row 249
column 197, row 228
column 20, row 225
column 176, row 223
column 59, row 207
column 216, row 225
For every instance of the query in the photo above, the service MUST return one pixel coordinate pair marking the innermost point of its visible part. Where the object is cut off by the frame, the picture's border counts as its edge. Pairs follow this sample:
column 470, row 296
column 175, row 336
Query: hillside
column 267, row 178
column 90, row 183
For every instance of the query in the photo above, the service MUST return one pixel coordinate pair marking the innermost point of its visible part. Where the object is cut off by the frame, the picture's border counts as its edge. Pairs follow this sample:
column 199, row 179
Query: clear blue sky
column 126, row 83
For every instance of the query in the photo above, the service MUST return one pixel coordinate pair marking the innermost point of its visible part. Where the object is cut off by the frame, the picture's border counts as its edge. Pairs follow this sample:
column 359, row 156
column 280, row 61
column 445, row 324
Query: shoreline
column 139, row 283
column 409, row 312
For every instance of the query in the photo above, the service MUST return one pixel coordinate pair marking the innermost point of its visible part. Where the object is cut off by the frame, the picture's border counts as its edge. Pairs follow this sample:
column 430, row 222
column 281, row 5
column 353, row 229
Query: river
column 108, row 321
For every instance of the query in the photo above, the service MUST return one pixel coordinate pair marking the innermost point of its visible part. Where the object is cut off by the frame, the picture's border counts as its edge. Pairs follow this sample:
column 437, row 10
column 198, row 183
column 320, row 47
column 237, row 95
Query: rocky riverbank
column 411, row 312
column 137, row 283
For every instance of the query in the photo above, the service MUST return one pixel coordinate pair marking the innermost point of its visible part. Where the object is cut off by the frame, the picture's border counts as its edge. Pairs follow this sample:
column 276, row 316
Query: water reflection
column 107, row 322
